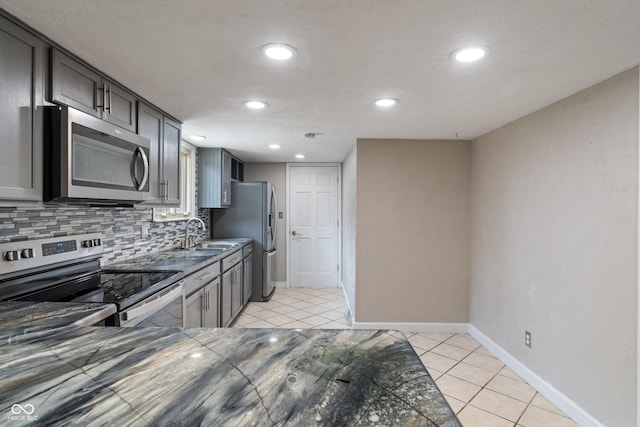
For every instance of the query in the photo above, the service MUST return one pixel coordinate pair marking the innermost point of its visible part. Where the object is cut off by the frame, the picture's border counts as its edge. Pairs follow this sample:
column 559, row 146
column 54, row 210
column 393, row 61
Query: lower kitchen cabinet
column 201, row 307
column 247, row 275
column 211, row 299
column 194, row 309
column 202, row 301
column 236, row 289
column 225, row 298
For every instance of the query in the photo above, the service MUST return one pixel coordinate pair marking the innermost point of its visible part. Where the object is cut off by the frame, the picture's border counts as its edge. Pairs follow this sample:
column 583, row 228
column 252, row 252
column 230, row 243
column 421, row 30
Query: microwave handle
column 145, row 174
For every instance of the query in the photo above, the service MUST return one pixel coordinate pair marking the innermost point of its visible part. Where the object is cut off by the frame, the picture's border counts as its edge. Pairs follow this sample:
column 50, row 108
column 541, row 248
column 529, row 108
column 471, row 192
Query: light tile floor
column 480, row 389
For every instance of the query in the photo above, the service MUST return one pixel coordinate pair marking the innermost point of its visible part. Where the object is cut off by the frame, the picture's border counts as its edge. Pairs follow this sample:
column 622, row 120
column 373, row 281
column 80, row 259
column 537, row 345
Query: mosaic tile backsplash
column 121, row 227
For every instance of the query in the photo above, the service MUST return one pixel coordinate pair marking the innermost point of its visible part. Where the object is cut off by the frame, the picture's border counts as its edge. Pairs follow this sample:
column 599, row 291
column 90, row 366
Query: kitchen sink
column 223, row 246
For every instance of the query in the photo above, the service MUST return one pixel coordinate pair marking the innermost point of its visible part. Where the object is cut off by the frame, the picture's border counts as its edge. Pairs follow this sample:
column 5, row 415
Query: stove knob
column 87, row 243
column 12, row 256
column 97, row 242
column 27, row 253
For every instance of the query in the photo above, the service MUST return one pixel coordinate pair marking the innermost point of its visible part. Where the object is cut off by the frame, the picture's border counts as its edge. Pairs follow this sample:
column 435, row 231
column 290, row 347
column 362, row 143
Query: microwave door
column 94, row 161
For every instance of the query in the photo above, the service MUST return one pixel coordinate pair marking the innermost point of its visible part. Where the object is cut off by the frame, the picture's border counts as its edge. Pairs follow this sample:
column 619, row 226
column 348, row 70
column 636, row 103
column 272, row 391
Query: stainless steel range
column 67, row 269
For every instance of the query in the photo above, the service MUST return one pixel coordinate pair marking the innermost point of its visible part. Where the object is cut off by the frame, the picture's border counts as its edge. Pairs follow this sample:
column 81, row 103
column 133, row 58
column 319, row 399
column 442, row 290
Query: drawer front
column 195, row 281
column 231, row 260
column 247, row 250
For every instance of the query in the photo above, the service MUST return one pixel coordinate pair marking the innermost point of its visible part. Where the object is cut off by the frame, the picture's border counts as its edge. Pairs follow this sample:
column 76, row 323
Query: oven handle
column 154, row 305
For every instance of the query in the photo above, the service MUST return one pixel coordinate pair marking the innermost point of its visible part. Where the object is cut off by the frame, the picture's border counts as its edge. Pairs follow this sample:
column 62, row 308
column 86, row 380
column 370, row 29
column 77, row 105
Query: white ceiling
column 200, row 59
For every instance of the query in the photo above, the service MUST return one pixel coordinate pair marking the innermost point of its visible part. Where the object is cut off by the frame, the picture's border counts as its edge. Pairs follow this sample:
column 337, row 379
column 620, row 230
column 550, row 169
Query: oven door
column 162, row 309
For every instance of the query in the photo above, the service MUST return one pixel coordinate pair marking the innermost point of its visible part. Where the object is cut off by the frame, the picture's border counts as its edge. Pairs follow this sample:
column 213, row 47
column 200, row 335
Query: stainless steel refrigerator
column 252, row 214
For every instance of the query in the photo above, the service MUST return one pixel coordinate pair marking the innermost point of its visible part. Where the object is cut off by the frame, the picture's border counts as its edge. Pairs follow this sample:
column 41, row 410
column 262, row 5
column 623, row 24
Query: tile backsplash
column 121, row 227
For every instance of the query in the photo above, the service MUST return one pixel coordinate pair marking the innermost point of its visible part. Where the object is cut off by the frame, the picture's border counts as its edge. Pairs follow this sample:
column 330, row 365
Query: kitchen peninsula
column 78, row 375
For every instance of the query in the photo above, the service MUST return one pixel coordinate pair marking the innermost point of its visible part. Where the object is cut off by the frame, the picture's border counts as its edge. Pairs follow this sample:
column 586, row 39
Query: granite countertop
column 73, row 375
column 187, row 261
column 18, row 318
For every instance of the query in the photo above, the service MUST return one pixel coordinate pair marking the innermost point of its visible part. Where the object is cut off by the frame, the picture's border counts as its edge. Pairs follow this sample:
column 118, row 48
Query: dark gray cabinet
column 211, row 317
column 217, row 168
column 164, row 154
column 236, row 289
column 201, row 307
column 202, row 298
column 193, row 309
column 225, row 298
column 21, row 92
column 78, row 86
column 247, row 275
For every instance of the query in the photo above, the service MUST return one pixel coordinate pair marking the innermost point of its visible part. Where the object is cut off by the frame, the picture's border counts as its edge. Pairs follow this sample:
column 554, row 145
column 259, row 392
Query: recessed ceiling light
column 256, row 105
column 274, row 146
column 469, row 53
column 278, row 51
column 386, row 102
column 300, row 156
column 198, row 137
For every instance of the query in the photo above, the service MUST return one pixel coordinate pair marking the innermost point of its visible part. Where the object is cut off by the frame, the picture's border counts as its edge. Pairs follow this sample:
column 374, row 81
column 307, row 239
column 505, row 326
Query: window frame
column 187, row 208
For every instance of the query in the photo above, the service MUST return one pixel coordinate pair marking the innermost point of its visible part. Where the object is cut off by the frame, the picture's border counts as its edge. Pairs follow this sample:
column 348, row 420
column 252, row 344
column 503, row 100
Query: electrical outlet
column 527, row 338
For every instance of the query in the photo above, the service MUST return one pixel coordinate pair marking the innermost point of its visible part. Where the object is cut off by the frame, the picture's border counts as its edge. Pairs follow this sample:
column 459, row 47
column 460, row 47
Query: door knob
column 295, row 233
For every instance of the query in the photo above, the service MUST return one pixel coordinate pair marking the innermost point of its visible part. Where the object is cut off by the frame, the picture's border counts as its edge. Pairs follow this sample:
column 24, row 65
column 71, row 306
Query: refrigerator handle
column 272, row 216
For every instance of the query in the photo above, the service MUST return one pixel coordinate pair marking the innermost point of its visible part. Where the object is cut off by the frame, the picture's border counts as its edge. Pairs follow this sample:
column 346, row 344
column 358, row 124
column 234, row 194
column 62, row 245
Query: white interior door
column 313, row 226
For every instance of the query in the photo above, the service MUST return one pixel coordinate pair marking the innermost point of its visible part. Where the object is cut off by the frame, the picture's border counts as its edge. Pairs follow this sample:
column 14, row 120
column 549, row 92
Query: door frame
column 288, row 215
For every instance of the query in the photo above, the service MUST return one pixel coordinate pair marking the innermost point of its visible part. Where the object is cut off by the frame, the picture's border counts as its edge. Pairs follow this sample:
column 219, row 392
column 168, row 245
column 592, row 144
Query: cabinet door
column 225, row 199
column 119, row 107
column 236, row 292
column 247, row 278
column 150, row 126
column 171, row 161
column 211, row 312
column 194, row 309
column 225, row 298
column 75, row 85
column 21, row 78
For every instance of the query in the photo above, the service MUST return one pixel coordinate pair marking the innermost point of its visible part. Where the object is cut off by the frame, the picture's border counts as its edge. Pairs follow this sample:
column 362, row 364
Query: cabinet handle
column 106, row 101
column 207, row 275
column 110, row 93
column 224, row 196
column 104, row 98
column 166, row 193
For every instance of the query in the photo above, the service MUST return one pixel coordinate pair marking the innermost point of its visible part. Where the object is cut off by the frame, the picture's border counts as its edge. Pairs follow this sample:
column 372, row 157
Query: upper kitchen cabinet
column 164, row 154
column 217, row 168
column 78, row 86
column 21, row 91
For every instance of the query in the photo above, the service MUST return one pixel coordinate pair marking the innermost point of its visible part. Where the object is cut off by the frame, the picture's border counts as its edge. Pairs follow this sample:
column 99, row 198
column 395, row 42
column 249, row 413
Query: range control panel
column 27, row 254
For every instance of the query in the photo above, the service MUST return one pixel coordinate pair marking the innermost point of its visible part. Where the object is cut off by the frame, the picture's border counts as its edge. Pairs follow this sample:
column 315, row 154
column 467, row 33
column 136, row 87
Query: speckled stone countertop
column 100, row 376
column 186, row 260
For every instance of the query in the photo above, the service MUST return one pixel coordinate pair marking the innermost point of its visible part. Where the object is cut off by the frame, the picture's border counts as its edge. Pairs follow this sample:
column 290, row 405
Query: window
column 187, row 208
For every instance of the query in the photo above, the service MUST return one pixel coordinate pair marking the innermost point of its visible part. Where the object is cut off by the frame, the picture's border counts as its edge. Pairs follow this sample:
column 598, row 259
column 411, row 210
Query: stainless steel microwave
column 90, row 161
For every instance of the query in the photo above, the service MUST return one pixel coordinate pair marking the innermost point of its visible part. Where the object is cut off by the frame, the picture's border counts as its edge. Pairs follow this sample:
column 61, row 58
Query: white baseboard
column 434, row 328
column 566, row 405
column 282, row 285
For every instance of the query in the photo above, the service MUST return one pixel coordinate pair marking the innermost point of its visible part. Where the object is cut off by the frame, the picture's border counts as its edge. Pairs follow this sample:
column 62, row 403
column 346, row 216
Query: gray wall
column 555, row 244
column 349, row 185
column 276, row 173
column 412, row 240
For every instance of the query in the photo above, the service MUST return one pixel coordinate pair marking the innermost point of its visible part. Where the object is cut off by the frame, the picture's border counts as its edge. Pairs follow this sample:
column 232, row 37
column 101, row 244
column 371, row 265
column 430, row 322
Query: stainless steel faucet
column 189, row 241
